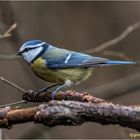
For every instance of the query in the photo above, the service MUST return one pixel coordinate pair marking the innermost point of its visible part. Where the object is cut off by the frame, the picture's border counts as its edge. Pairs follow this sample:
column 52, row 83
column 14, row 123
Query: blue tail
column 111, row 62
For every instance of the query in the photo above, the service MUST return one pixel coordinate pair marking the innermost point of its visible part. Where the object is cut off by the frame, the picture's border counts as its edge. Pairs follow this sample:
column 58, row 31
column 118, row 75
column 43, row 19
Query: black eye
column 26, row 49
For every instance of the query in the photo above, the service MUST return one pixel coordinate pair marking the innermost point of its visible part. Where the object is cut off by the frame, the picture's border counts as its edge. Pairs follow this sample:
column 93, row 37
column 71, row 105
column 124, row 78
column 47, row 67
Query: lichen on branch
column 74, row 113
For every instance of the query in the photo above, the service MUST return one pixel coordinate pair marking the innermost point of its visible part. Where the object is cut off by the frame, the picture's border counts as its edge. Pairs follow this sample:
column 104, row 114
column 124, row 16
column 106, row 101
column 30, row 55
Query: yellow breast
column 39, row 67
column 59, row 75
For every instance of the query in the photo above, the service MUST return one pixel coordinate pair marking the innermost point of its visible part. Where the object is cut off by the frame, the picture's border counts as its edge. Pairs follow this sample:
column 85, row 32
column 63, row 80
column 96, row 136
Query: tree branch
column 88, row 109
column 70, row 95
column 74, row 113
column 116, row 54
column 9, row 56
column 8, row 33
column 12, row 84
column 118, row 87
column 117, row 39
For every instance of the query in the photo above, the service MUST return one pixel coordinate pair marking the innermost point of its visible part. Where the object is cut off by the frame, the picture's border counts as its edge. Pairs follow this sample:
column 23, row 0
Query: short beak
column 19, row 53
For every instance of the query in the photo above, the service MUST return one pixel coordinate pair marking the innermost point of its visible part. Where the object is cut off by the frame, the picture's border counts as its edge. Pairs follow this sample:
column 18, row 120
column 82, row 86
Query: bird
column 61, row 66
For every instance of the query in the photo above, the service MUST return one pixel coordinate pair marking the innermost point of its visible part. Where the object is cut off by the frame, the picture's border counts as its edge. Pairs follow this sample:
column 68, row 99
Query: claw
column 36, row 91
column 53, row 95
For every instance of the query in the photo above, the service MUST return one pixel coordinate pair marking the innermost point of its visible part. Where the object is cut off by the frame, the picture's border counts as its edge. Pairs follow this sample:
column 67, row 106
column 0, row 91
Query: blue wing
column 73, row 59
column 57, row 58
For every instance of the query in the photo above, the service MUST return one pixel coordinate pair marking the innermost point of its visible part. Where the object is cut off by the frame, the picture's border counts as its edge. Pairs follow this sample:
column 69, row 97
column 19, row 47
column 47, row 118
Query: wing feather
column 71, row 59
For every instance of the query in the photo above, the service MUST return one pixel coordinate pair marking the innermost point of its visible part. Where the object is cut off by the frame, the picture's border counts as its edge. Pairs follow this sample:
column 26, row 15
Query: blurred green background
column 78, row 26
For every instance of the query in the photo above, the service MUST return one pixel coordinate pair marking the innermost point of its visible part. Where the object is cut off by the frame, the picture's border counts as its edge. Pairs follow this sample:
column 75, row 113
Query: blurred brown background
column 76, row 26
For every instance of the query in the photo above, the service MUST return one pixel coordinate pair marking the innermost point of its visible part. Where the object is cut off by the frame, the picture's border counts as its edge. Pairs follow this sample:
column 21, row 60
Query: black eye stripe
column 28, row 49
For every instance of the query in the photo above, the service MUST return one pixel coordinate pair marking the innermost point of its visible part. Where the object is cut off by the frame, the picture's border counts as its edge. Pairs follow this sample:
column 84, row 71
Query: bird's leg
column 67, row 83
column 37, row 91
column 47, row 88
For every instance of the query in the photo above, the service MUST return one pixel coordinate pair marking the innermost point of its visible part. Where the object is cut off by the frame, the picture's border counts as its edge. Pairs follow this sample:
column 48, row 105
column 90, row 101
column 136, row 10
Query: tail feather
column 111, row 62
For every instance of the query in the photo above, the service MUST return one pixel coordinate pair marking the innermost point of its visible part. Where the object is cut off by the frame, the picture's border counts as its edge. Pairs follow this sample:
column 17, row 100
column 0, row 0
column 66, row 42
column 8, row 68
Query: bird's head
column 31, row 49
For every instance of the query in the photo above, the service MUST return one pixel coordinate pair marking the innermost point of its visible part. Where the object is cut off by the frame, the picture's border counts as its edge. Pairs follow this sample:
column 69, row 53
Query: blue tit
column 61, row 66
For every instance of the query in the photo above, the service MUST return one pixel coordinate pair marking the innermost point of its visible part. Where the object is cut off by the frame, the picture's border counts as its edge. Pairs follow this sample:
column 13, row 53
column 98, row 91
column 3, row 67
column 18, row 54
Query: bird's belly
column 75, row 75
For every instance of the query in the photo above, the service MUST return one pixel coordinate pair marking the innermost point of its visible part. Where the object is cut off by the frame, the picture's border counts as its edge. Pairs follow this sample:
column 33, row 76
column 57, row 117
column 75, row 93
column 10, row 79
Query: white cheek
column 30, row 55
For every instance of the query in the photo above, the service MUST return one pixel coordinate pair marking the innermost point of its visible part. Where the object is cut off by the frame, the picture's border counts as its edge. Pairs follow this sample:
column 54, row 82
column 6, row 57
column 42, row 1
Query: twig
column 74, row 113
column 16, row 87
column 117, row 39
column 8, row 32
column 14, row 103
column 5, row 35
column 116, row 54
column 118, row 87
column 12, row 84
column 9, row 57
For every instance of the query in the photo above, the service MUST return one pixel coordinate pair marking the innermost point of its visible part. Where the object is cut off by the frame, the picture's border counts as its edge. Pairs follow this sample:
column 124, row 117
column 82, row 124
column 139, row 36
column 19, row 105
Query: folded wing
column 73, row 59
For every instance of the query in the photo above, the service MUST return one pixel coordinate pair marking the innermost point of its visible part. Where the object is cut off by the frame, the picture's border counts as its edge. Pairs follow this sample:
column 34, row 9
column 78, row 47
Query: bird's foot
column 53, row 94
column 45, row 89
column 37, row 91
